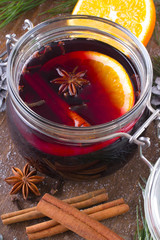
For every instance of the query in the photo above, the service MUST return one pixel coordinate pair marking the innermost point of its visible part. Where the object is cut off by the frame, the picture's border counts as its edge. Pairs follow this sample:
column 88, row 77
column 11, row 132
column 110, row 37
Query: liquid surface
column 79, row 77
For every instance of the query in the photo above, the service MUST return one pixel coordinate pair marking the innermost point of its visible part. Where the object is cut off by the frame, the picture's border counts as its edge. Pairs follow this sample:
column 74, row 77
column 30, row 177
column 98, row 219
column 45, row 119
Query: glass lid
column 152, row 201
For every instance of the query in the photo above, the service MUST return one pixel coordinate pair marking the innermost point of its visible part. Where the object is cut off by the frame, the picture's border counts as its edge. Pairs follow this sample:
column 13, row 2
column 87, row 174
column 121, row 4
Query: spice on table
column 21, row 216
column 75, row 220
column 52, row 227
column 82, row 201
column 24, row 180
column 103, row 211
column 57, row 187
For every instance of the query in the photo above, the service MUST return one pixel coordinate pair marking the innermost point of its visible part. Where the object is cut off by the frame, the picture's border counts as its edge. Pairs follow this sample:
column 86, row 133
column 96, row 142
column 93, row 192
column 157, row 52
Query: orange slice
column 138, row 16
column 112, row 78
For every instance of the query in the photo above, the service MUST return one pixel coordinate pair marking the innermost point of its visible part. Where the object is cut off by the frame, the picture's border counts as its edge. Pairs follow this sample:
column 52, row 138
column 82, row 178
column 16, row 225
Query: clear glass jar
column 70, row 152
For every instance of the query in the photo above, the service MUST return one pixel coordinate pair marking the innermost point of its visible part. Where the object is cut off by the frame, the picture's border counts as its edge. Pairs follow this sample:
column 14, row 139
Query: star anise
column 24, row 180
column 70, row 82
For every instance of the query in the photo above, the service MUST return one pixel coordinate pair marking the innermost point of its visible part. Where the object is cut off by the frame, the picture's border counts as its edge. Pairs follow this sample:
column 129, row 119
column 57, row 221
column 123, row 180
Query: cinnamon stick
column 57, row 229
column 23, row 217
column 55, row 103
column 91, row 201
column 51, row 223
column 104, row 206
column 81, row 201
column 16, row 213
column 85, row 196
column 75, row 220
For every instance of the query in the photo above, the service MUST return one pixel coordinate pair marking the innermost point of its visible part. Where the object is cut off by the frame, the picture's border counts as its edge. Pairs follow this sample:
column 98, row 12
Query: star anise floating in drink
column 24, row 180
column 70, row 82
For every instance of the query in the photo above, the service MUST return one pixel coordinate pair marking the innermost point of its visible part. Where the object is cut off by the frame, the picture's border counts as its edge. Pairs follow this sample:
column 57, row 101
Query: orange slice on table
column 138, row 16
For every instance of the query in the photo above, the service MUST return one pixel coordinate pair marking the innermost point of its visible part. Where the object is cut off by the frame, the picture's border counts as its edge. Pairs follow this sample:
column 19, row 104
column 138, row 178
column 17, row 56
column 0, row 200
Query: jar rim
column 48, row 125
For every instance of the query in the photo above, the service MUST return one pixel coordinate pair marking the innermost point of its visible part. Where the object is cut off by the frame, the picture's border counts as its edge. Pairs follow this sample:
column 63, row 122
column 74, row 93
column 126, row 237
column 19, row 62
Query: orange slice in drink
column 109, row 81
column 108, row 74
column 138, row 16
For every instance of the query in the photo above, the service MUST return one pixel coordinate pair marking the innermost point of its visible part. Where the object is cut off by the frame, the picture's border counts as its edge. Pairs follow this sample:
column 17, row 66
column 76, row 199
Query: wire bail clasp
column 147, row 144
column 28, row 25
column 11, row 38
column 10, row 42
column 144, row 142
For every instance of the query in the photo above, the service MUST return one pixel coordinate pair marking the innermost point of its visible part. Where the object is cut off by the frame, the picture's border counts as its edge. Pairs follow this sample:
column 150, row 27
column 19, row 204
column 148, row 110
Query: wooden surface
column 124, row 183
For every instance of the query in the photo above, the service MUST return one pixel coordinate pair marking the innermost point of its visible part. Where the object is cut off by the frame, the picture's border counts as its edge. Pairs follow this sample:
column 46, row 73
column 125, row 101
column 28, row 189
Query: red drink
column 62, row 82
column 92, row 100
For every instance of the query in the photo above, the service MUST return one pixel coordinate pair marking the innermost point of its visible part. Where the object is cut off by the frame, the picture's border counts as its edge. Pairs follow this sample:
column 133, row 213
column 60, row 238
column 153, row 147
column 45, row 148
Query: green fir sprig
column 10, row 10
column 142, row 232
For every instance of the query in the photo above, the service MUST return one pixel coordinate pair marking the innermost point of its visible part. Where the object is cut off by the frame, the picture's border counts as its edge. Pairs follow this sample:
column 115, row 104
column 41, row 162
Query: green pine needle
column 10, row 10
column 142, row 232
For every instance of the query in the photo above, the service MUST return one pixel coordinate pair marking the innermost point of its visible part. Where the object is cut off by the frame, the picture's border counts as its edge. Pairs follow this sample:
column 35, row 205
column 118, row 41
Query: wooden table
column 124, row 183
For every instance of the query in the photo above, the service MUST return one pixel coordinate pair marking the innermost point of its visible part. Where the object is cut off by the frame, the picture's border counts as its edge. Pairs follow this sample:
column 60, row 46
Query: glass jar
column 69, row 152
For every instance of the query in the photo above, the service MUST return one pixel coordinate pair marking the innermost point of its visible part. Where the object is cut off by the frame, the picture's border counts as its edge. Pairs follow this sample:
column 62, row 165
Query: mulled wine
column 72, row 76
column 88, row 100
column 70, row 90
